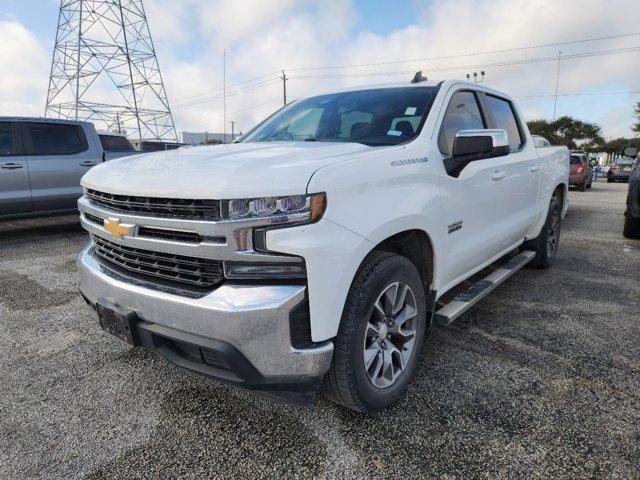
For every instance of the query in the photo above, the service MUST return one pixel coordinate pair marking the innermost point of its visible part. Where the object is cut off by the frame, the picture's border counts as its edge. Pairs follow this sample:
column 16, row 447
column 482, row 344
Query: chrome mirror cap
column 499, row 136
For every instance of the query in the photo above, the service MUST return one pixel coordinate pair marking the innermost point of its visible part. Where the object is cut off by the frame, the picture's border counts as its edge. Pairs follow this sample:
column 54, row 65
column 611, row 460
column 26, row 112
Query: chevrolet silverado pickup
column 42, row 161
column 315, row 252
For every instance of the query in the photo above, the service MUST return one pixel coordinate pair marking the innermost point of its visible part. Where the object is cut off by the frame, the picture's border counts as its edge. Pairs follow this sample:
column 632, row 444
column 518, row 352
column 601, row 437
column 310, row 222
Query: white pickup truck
column 316, row 250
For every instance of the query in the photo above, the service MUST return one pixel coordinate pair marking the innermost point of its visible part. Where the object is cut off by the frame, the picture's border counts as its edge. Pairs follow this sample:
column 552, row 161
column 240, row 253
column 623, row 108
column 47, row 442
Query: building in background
column 204, row 138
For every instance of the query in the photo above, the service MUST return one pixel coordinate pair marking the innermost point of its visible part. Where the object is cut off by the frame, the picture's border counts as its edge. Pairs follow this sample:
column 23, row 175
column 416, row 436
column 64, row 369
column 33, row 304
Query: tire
column 348, row 382
column 546, row 252
column 583, row 186
column 589, row 185
column 631, row 227
column 609, row 180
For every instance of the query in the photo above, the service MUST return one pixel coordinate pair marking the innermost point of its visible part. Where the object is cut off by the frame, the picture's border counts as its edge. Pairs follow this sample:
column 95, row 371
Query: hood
column 242, row 170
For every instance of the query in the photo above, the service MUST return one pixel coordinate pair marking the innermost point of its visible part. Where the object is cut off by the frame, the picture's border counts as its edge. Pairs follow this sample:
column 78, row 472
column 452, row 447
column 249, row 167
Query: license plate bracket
column 118, row 321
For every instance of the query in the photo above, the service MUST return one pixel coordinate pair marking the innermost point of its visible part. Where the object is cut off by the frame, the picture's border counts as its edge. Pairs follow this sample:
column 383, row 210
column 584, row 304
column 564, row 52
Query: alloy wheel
column 390, row 337
column 553, row 236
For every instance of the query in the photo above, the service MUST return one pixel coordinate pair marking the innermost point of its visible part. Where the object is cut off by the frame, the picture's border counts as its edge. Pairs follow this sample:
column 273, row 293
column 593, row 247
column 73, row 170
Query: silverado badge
column 117, row 229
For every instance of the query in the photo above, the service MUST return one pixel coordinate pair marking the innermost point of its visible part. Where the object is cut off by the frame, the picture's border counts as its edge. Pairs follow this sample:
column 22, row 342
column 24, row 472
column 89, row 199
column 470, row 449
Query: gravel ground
column 540, row 380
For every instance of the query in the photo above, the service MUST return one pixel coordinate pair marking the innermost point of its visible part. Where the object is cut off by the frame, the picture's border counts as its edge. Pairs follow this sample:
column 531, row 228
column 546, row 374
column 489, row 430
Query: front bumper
column 245, row 327
column 619, row 175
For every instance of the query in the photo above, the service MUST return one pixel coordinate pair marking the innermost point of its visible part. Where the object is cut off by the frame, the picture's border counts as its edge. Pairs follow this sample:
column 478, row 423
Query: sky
column 326, row 44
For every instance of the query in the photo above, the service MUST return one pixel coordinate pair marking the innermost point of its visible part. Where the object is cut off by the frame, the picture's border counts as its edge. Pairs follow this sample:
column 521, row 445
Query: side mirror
column 472, row 145
column 631, row 152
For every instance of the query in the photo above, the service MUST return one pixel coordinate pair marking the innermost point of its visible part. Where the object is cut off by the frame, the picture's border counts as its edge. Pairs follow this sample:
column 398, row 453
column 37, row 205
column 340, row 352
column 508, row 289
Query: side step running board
column 465, row 300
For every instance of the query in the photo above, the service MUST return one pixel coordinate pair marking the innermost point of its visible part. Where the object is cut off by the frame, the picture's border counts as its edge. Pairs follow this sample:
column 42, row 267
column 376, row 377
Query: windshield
column 377, row 117
column 625, row 162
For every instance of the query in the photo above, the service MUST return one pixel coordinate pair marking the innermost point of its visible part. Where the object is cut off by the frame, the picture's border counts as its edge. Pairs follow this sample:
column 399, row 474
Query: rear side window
column 505, row 118
column 463, row 113
column 6, row 140
column 115, row 143
column 56, row 139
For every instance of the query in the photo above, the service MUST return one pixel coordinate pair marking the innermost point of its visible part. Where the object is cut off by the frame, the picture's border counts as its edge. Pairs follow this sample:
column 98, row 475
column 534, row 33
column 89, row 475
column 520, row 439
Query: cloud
column 293, row 34
column 25, row 70
column 264, row 37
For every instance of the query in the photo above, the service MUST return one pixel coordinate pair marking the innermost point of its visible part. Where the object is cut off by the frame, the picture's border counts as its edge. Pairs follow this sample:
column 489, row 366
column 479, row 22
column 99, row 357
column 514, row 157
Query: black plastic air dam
column 224, row 362
column 221, row 361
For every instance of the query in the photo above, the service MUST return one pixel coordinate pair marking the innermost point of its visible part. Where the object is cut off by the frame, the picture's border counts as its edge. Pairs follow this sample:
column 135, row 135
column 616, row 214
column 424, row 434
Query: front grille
column 171, row 235
column 165, row 234
column 93, row 219
column 166, row 207
column 178, row 269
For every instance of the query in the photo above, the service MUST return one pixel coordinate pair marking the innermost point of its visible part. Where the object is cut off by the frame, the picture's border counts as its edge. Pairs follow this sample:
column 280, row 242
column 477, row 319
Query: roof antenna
column 417, row 78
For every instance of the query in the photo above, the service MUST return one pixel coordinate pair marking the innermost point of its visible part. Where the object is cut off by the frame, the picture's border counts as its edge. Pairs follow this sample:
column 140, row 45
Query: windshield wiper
column 310, row 139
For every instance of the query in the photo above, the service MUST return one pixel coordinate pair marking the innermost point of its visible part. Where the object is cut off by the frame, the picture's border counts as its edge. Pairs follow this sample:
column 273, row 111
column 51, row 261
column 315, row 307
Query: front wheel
column 380, row 336
column 546, row 244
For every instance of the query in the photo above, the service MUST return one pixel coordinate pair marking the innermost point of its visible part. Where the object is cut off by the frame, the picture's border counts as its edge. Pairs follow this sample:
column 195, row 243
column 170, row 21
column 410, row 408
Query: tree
column 568, row 131
column 636, row 126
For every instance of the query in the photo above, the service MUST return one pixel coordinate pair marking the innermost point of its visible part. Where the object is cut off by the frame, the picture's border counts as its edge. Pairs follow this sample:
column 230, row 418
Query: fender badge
column 408, row 161
column 455, row 226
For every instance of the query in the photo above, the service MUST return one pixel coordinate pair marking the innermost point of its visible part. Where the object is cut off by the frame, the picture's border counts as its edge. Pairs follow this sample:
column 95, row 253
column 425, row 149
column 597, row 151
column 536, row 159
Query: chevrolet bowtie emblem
column 117, row 229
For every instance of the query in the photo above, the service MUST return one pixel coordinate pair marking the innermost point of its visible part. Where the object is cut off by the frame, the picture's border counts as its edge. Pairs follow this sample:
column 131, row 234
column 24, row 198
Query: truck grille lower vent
column 300, row 326
column 166, row 207
column 187, row 271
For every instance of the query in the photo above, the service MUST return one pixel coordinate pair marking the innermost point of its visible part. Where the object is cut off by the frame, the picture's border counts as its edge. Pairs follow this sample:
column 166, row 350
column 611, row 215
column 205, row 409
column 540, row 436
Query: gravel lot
column 540, row 380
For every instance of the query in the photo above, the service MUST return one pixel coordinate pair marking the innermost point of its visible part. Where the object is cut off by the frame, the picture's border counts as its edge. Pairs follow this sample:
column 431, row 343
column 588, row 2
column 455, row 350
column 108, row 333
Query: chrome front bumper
column 253, row 319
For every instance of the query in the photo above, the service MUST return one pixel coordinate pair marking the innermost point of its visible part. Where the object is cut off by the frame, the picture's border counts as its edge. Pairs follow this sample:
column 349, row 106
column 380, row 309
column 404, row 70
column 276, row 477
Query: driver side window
column 463, row 113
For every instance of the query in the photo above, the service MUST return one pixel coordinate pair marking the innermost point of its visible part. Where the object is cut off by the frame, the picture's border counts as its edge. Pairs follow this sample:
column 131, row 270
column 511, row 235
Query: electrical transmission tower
column 105, row 69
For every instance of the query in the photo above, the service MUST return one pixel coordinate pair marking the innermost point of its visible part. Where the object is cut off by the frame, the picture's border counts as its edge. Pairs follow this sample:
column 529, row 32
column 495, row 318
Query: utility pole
column 284, row 86
column 224, row 94
column 555, row 101
column 233, row 130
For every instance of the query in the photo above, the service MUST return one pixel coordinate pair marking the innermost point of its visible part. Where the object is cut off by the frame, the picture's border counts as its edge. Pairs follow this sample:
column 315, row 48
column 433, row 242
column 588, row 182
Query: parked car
column 156, row 145
column 116, row 145
column 581, row 172
column 620, row 170
column 314, row 251
column 41, row 163
column 632, row 213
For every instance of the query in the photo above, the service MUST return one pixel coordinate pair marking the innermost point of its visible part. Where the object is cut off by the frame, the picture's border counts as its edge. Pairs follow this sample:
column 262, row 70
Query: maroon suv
column 580, row 173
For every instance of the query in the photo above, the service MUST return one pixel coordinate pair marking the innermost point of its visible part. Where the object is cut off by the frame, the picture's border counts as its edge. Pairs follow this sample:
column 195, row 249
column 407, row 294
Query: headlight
column 292, row 209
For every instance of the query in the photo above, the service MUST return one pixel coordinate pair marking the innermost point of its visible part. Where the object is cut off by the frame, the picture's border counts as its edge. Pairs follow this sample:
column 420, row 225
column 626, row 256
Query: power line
column 228, row 94
column 484, row 65
column 208, row 119
column 550, row 95
column 486, row 52
column 461, row 55
column 228, row 86
column 180, row 102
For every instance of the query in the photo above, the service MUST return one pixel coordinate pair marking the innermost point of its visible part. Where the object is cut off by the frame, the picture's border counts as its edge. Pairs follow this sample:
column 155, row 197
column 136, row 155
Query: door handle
column 534, row 168
column 88, row 164
column 11, row 166
column 498, row 175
